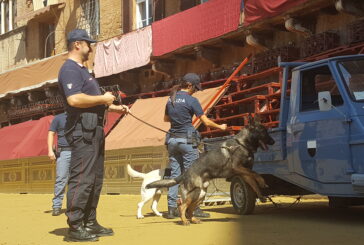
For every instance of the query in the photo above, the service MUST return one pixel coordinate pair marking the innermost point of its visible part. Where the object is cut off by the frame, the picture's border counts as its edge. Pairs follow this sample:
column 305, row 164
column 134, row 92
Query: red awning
column 255, row 10
column 205, row 21
column 112, row 118
column 29, row 139
column 26, row 139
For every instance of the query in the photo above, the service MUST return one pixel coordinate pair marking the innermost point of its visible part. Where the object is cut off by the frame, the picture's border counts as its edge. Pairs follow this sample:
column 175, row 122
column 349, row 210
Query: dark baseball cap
column 79, row 35
column 194, row 79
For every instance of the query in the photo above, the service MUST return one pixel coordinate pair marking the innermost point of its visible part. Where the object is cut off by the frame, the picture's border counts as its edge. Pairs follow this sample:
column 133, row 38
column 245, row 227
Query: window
column 143, row 13
column 90, row 17
column 7, row 15
column 314, row 81
column 187, row 4
column 353, row 74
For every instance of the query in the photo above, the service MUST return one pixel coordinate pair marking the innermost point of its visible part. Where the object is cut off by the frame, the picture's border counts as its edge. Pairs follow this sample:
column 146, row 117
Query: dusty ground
column 26, row 219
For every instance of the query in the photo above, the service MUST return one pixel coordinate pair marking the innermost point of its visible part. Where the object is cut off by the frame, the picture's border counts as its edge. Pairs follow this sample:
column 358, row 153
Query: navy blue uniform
column 63, row 159
column 87, row 160
column 58, row 125
column 181, row 153
column 181, row 112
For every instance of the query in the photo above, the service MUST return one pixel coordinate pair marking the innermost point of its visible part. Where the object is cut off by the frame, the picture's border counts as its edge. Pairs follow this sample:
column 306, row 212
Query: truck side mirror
column 324, row 99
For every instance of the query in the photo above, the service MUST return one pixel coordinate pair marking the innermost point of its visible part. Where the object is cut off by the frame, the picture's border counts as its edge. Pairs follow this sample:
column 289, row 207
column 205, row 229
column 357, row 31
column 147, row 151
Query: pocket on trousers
column 89, row 124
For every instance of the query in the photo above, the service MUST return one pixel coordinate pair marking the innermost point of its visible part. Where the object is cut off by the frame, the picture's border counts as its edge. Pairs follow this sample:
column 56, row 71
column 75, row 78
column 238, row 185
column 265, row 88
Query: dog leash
column 298, row 199
column 118, row 98
column 162, row 130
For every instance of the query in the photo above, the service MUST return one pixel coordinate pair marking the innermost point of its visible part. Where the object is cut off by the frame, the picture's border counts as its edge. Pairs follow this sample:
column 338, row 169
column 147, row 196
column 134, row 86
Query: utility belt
column 57, row 152
column 85, row 127
column 192, row 136
column 64, row 148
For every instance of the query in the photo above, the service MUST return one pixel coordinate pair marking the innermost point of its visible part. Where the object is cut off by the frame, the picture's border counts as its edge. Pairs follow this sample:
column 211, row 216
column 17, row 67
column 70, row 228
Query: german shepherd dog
column 235, row 156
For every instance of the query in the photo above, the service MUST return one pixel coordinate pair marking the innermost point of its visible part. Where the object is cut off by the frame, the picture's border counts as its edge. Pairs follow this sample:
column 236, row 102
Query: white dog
column 148, row 194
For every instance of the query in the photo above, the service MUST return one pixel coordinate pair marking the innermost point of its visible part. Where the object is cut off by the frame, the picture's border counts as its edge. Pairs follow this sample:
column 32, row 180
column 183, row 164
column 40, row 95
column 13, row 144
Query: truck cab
column 325, row 126
column 320, row 138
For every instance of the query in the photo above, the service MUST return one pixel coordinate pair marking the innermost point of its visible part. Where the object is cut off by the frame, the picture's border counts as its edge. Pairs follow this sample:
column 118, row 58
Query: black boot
column 80, row 235
column 199, row 213
column 172, row 213
column 96, row 229
column 56, row 212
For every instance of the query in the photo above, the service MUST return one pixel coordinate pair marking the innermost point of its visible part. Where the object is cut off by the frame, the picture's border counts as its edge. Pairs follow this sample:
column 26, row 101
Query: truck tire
column 243, row 197
column 339, row 202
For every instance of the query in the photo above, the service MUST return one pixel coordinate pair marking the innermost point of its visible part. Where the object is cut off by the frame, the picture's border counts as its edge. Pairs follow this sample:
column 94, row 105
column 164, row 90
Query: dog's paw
column 263, row 199
column 140, row 217
column 159, row 214
column 195, row 221
column 185, row 223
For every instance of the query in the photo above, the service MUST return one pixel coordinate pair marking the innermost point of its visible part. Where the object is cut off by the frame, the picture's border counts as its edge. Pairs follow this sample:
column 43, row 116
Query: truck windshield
column 353, row 74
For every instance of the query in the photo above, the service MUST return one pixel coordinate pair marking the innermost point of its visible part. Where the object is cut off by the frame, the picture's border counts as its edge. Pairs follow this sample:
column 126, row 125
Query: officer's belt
column 178, row 135
column 64, row 148
column 100, row 122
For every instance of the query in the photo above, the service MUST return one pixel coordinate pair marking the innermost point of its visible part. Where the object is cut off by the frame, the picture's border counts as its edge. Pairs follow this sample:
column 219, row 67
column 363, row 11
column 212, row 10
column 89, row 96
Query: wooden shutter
column 186, row 4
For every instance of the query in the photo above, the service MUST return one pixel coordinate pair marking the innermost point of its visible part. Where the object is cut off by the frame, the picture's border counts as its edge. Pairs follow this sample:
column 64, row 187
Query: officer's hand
column 51, row 155
column 125, row 109
column 223, row 126
column 109, row 98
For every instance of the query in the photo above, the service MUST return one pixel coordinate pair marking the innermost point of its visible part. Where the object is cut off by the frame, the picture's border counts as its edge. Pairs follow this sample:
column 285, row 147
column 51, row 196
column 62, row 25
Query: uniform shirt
column 58, row 124
column 185, row 106
column 74, row 78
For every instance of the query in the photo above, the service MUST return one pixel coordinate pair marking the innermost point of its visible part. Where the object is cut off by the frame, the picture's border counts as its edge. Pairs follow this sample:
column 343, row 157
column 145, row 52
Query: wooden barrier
column 37, row 175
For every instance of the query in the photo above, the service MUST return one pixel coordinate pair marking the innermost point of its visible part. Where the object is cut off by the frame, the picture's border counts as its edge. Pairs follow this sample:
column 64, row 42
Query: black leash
column 162, row 130
column 118, row 98
column 298, row 199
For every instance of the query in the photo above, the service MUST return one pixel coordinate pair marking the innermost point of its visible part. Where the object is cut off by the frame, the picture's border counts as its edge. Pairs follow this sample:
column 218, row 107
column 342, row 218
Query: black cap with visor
column 194, row 79
column 79, row 35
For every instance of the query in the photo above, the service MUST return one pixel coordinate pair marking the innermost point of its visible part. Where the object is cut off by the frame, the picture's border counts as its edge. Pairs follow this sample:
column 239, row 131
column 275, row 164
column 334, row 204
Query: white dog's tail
column 134, row 174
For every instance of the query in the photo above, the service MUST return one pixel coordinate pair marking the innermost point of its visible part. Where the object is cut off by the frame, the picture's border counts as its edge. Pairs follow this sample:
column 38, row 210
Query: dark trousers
column 86, row 177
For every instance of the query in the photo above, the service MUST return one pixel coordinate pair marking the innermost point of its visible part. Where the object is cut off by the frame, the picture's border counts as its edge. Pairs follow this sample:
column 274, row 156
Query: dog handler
column 85, row 106
column 182, row 139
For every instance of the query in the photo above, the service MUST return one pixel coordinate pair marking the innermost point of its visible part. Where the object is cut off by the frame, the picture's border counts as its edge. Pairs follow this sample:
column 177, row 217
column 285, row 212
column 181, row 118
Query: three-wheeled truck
column 320, row 138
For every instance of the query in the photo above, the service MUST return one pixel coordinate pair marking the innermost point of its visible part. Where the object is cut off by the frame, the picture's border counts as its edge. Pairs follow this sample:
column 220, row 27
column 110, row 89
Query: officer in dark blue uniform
column 63, row 159
column 182, row 139
column 85, row 106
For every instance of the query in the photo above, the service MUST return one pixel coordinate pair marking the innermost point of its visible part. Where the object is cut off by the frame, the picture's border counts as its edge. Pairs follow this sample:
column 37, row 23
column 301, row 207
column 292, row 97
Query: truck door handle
column 296, row 131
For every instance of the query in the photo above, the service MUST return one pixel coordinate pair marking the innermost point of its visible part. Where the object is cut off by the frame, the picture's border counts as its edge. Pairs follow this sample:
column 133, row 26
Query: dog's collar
column 243, row 145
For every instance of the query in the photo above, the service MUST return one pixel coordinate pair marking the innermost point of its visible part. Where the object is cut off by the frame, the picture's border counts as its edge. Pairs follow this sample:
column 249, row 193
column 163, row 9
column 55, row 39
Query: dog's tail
column 165, row 182
column 133, row 173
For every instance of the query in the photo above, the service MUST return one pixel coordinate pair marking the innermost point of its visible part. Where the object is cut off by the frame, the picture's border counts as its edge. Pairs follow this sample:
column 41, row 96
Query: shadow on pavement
column 59, row 232
column 50, row 211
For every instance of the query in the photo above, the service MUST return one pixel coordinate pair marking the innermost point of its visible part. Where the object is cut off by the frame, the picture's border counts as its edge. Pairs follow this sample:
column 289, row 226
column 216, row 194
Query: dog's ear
column 240, row 137
column 250, row 119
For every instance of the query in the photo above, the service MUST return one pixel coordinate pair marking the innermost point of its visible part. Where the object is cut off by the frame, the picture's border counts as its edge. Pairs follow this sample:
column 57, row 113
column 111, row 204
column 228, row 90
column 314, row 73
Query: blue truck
column 319, row 145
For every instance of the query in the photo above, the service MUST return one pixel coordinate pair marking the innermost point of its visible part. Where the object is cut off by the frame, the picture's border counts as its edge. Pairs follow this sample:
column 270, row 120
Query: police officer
column 63, row 159
column 85, row 106
column 183, row 137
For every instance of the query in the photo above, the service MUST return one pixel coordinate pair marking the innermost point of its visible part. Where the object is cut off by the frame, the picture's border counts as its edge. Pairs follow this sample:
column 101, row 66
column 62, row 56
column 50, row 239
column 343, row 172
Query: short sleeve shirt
column 58, row 125
column 181, row 113
column 74, row 78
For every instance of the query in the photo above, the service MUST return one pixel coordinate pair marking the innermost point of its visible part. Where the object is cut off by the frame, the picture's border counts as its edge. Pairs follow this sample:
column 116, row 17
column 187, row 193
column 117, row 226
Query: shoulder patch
column 69, row 85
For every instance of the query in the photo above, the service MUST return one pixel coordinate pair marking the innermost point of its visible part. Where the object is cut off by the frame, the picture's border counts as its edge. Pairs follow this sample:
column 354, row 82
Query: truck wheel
column 339, row 202
column 242, row 196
